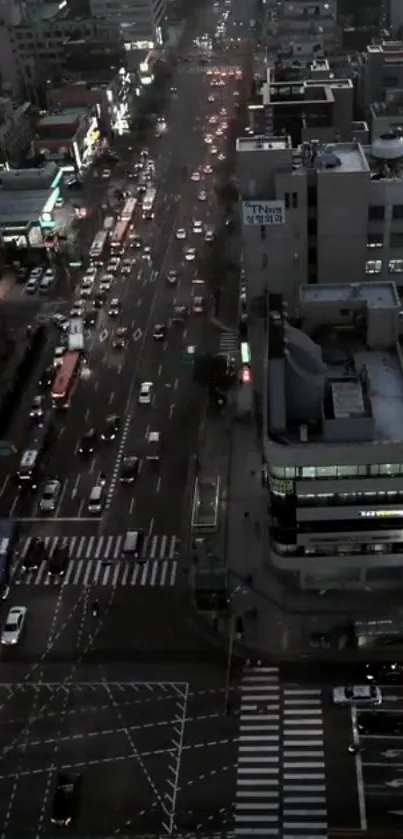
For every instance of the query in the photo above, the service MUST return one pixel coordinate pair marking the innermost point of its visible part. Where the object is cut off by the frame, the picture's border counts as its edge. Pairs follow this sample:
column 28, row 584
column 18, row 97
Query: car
column 85, row 291
column 14, row 625
column 36, row 272
column 113, row 265
column 91, row 317
column 50, row 495
column 389, row 672
column 190, row 254
column 209, row 235
column 379, row 724
column 172, row 276
column 50, row 274
column 61, row 321
column 110, row 428
column 105, row 286
column 197, row 226
column 208, row 139
column 36, row 411
column 146, row 393
column 99, row 299
column 213, row 150
column 32, row 285
column 195, row 176
column 159, row 332
column 88, row 442
column 129, row 469
column 58, row 561
column 136, row 241
column 207, row 169
column 45, row 284
column 47, row 378
column 180, row 233
column 76, row 311
column 221, row 156
column 198, row 305
column 358, row 695
column 126, row 266
column 87, row 282
column 34, row 555
column 58, row 355
column 114, row 308
column 219, row 132
column 65, row 799
column 211, row 98
column 119, row 344
column 105, row 174
column 91, row 273
column 147, row 253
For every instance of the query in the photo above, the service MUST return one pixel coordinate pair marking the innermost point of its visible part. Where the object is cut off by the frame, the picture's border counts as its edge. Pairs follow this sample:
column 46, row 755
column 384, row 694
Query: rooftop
column 22, row 206
column 262, row 143
column 65, row 118
column 392, row 108
column 373, row 294
column 337, row 375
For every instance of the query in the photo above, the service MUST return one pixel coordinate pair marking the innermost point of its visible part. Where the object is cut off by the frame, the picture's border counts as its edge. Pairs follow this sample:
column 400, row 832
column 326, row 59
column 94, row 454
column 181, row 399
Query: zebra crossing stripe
column 106, row 547
column 94, row 572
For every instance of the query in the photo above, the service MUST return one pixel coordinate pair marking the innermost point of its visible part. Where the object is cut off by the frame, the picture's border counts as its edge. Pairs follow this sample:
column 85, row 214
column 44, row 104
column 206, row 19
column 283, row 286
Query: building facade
column 333, row 437
column 141, row 21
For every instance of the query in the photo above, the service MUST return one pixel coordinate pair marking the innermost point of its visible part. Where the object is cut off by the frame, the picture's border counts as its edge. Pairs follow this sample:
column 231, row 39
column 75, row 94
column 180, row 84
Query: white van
column 96, row 500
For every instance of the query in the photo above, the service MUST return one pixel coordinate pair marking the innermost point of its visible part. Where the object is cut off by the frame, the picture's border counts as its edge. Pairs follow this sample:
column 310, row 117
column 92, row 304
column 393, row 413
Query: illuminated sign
column 245, row 353
column 380, row 514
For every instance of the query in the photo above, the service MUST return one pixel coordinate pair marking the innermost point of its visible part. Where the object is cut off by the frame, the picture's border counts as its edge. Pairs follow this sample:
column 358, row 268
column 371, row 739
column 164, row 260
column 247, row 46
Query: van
column 45, row 284
column 133, row 543
column 96, row 500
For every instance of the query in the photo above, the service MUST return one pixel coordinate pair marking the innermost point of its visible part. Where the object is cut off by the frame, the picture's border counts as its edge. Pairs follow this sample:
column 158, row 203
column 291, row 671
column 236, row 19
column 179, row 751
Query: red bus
column 65, row 379
column 119, row 235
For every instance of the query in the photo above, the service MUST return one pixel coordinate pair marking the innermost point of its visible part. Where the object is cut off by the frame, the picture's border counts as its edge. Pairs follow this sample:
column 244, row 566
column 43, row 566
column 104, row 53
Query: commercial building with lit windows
column 333, row 436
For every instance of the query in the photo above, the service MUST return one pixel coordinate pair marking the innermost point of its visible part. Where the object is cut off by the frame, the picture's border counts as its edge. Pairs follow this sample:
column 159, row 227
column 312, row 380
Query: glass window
column 277, row 471
column 396, row 266
column 397, row 211
column 373, row 266
column 346, row 471
column 290, row 472
column 374, row 469
column 308, row 472
column 375, row 240
column 376, row 212
column 389, row 469
column 326, row 471
column 396, row 240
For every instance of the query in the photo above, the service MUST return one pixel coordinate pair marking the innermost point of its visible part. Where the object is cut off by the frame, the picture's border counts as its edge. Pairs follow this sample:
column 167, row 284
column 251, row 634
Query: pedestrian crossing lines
column 97, row 560
column 228, row 342
column 257, row 804
column 304, row 811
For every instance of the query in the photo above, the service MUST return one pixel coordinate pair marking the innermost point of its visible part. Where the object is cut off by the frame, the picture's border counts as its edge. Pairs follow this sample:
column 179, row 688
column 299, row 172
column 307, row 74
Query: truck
column 75, row 337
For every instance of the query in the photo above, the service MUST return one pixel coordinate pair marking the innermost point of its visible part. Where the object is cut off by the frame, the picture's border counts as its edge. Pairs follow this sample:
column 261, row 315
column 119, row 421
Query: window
column 376, row 212
column 262, row 232
column 396, row 266
column 396, row 240
column 264, row 260
column 287, row 200
column 312, row 227
column 375, row 240
column 373, row 266
column 295, row 200
column 397, row 211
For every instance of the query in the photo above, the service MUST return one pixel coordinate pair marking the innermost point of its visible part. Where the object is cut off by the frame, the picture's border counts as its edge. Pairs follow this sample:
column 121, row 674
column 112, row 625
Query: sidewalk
column 278, row 619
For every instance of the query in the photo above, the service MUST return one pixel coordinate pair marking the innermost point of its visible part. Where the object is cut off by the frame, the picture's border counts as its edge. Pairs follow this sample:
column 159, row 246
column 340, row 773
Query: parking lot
column 123, row 738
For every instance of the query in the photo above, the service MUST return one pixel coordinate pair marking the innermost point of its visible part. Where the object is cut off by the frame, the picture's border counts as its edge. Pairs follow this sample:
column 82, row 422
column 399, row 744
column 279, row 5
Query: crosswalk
column 281, row 781
column 228, row 342
column 98, row 560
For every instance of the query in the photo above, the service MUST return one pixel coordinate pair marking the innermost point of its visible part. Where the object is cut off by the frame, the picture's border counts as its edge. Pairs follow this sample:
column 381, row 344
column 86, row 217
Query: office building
column 379, row 72
column 141, row 22
column 15, row 129
column 333, row 436
column 299, row 31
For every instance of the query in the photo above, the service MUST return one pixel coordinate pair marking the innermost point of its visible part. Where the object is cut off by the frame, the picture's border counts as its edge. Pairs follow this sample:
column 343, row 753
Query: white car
column 61, row 322
column 207, row 169
column 113, row 265
column 76, row 311
column 213, row 150
column 91, row 273
column 50, row 496
column 202, row 196
column 209, row 235
column 190, row 254
column 105, row 286
column 180, row 233
column 58, row 356
column 197, row 226
column 211, row 98
column 36, row 272
column 145, row 393
column 359, row 695
column 195, row 176
column 32, row 285
column 126, row 266
column 106, row 173
column 14, row 625
column 50, row 274
column 221, row 156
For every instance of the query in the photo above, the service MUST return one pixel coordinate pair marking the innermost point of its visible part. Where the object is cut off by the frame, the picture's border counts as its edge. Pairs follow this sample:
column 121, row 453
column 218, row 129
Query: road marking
column 137, row 334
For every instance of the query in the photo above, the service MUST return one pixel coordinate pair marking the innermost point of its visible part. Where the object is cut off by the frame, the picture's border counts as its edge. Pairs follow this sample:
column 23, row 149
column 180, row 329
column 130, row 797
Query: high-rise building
column 141, row 21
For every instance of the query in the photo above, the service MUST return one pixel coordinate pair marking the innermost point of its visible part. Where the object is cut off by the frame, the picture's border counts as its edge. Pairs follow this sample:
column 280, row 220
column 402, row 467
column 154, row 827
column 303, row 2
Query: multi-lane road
column 158, row 504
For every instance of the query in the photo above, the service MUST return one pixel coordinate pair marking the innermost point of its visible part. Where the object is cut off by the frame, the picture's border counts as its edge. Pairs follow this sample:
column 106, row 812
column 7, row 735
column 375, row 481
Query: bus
column 29, row 465
column 128, row 210
column 8, row 541
column 148, row 204
column 119, row 236
column 98, row 246
column 206, row 505
column 65, row 379
column 109, row 223
column 75, row 337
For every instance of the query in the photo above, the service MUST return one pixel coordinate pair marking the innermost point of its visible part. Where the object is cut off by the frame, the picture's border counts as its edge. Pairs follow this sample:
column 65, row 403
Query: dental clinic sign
column 263, row 213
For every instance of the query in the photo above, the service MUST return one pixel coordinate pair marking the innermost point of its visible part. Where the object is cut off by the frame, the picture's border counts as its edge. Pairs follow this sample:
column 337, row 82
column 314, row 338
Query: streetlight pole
column 229, row 663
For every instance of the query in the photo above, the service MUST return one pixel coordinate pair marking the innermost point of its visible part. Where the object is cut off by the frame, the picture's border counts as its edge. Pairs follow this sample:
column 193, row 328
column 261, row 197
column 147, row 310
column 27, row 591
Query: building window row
column 323, row 472
column 376, row 212
column 375, row 240
column 374, row 266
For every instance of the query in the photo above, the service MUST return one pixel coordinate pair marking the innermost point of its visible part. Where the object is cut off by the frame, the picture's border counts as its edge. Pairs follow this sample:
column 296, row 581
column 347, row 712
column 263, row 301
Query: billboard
column 263, row 213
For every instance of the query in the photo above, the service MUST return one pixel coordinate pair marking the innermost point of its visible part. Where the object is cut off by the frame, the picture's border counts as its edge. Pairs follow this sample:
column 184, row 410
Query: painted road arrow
column 391, row 753
column 397, row 782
